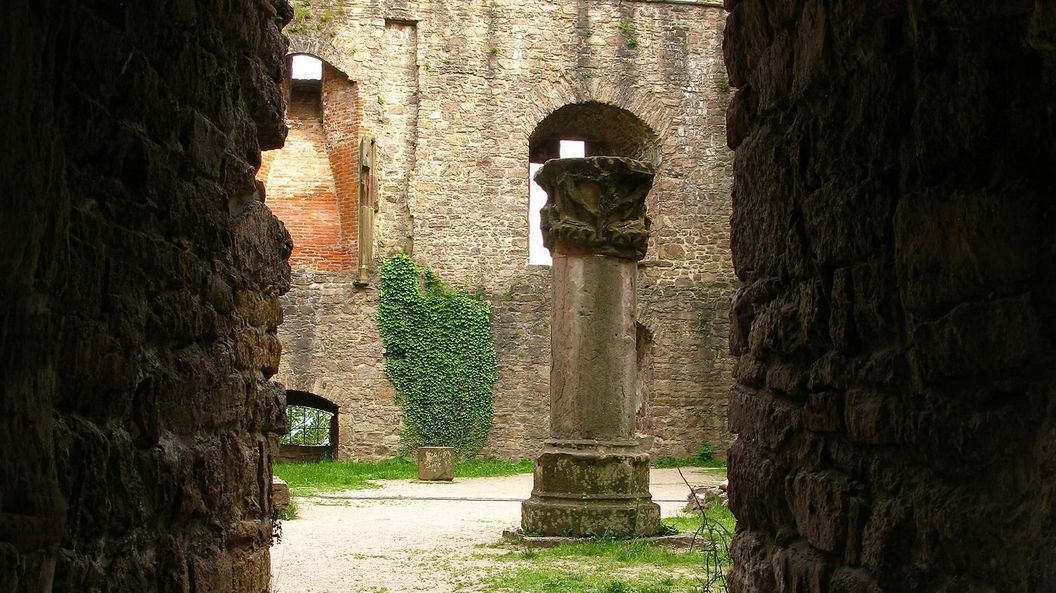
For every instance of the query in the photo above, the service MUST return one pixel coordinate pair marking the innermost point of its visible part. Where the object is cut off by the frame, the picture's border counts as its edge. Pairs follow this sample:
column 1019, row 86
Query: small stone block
column 280, row 493
column 436, row 464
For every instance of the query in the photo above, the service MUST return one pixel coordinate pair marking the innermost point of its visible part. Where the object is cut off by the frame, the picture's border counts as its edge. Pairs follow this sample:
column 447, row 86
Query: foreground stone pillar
column 593, row 474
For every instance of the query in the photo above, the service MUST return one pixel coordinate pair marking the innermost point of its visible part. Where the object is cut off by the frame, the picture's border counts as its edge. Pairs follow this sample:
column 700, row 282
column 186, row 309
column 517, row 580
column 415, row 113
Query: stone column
column 593, row 474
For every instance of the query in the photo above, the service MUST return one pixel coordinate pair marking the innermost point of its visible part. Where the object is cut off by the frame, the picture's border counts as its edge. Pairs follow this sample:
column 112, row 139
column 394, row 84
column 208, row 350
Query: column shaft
column 593, row 365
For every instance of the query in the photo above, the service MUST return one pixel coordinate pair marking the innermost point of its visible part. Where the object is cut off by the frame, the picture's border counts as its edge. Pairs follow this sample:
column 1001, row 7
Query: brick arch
column 319, row 387
column 607, row 130
column 296, row 397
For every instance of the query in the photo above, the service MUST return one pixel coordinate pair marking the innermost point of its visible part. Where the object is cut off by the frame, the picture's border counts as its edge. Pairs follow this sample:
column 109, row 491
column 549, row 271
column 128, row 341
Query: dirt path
column 413, row 537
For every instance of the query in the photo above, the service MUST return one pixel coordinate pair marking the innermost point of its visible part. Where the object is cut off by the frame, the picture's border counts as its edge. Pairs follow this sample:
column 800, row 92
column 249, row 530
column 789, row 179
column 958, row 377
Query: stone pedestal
column 436, row 464
column 593, row 474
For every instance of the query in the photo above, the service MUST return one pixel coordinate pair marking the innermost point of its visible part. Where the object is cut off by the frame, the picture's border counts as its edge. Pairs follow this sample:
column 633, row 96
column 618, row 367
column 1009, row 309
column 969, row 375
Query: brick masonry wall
column 305, row 178
column 452, row 92
column 341, row 119
column 141, row 274
column 896, row 339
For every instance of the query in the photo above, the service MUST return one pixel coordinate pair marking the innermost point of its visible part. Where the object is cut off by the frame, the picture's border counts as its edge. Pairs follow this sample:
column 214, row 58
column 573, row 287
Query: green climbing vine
column 439, row 355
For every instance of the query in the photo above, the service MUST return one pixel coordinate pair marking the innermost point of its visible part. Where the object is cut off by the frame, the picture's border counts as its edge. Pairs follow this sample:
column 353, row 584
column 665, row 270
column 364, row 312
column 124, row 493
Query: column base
column 589, row 488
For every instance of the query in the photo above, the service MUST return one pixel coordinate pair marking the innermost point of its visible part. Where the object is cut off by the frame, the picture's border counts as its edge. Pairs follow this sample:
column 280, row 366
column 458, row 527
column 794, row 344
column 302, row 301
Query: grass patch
column 713, row 533
column 600, row 566
column 613, row 552
column 290, row 512
column 330, row 476
column 690, row 522
column 704, row 458
column 619, row 566
column 605, row 565
column 548, row 579
column 683, row 523
column 488, row 468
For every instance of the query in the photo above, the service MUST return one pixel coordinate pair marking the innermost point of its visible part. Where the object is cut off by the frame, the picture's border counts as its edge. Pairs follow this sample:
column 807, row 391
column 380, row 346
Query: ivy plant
column 439, row 355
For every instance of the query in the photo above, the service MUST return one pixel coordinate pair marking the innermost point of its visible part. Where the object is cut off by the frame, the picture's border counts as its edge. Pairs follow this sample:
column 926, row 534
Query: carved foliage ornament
column 596, row 205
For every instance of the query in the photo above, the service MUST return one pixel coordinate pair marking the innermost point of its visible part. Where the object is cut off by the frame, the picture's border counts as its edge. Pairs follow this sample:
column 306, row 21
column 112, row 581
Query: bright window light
column 537, row 253
column 572, row 149
column 306, row 68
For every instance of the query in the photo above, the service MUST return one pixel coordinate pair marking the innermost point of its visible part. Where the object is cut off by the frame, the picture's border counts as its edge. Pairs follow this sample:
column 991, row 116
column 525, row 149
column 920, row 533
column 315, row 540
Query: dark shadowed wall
column 141, row 274
column 893, row 225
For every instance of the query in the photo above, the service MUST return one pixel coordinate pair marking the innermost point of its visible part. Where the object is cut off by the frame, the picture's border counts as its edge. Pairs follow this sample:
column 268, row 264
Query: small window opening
column 571, row 149
column 538, row 254
column 309, row 427
column 305, row 67
column 313, row 433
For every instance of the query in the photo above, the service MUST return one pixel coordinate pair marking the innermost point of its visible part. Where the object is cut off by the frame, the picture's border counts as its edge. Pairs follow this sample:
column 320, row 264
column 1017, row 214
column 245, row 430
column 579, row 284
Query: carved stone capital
column 596, row 205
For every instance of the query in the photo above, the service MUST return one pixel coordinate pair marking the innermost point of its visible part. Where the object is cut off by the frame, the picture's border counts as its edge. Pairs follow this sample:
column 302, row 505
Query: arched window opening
column 309, row 427
column 312, row 432
column 303, row 87
column 312, row 183
column 306, row 67
column 581, row 130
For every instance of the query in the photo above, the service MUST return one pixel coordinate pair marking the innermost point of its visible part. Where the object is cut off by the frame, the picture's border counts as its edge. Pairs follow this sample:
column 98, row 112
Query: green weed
column 609, row 565
column 690, row 522
column 620, row 552
column 705, row 457
column 585, row 579
column 329, row 476
column 290, row 512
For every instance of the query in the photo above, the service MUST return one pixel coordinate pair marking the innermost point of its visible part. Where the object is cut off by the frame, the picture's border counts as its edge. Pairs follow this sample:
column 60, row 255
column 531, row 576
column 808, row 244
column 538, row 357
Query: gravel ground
column 417, row 537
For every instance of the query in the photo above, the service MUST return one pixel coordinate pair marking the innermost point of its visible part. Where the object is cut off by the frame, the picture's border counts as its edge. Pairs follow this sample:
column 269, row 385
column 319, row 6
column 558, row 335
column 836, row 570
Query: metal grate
column 309, row 427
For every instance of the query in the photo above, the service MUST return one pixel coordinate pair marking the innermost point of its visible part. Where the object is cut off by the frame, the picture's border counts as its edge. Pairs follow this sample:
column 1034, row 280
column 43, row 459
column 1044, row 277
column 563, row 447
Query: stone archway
column 314, row 428
column 607, row 130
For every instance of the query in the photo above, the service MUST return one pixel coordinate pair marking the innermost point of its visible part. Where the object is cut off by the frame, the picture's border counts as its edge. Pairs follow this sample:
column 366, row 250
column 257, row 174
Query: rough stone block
column 800, row 569
column 853, row 581
column 436, row 464
column 280, row 494
column 820, row 504
column 871, row 417
column 706, row 496
column 756, row 492
column 983, row 336
column 823, row 412
column 604, row 518
column 885, row 536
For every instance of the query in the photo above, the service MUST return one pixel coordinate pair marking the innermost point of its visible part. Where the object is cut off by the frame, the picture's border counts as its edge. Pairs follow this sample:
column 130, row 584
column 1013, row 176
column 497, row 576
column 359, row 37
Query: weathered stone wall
column 893, row 211
column 141, row 276
column 453, row 92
